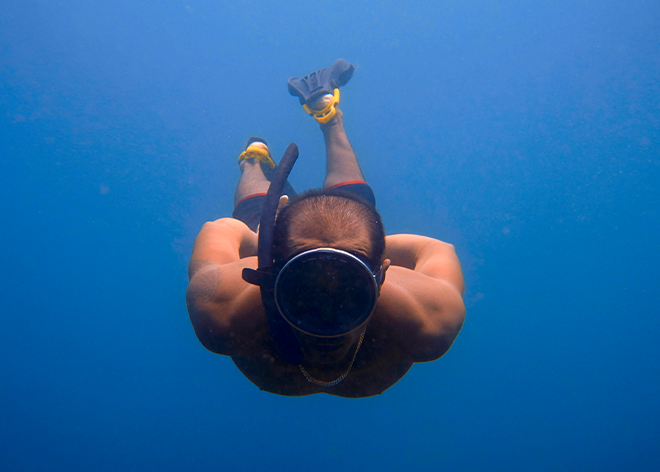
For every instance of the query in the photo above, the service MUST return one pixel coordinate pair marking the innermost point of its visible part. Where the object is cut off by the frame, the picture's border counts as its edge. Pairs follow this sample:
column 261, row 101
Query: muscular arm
column 422, row 296
column 225, row 311
column 222, row 242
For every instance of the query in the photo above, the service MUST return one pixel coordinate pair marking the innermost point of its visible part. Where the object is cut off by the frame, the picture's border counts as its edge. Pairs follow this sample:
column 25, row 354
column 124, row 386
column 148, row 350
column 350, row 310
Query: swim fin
column 317, row 84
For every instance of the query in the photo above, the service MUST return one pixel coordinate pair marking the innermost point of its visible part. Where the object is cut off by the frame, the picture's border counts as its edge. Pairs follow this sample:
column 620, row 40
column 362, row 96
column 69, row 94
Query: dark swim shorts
column 249, row 209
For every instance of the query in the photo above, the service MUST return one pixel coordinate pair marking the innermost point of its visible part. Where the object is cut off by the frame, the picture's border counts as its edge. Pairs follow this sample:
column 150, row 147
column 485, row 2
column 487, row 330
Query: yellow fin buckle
column 328, row 113
column 255, row 152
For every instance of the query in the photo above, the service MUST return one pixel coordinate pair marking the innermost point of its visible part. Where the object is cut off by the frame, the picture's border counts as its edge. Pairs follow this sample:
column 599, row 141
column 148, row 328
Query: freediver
column 321, row 301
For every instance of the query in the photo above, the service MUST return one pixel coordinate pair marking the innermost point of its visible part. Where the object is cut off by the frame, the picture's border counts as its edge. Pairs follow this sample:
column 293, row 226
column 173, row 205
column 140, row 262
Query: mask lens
column 325, row 293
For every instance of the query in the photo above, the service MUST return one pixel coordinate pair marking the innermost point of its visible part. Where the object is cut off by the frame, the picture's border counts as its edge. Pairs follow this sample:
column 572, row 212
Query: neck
column 326, row 371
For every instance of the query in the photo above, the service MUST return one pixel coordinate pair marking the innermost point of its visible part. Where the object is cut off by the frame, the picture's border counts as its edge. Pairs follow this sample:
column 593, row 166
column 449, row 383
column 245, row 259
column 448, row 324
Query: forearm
column 222, row 242
column 404, row 250
column 426, row 256
column 423, row 315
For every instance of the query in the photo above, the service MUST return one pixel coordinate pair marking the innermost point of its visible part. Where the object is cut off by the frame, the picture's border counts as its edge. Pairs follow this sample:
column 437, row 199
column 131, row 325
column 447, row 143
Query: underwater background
column 526, row 133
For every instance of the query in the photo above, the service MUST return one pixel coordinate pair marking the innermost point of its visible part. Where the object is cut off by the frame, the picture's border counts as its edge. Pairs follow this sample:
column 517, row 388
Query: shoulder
column 422, row 316
column 225, row 311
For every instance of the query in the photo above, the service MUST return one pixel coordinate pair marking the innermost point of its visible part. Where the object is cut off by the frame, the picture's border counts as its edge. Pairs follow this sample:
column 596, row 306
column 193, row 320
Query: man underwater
column 338, row 307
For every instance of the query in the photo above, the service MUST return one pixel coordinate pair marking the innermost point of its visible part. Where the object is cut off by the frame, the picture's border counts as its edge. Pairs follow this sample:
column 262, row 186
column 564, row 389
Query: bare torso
column 417, row 318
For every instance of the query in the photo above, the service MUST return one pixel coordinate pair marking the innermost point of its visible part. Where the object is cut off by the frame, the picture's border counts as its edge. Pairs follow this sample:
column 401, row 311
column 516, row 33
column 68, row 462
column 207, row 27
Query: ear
column 283, row 201
column 383, row 269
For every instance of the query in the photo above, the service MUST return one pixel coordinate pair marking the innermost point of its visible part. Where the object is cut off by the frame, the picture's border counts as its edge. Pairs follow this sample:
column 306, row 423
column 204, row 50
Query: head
column 343, row 221
column 329, row 220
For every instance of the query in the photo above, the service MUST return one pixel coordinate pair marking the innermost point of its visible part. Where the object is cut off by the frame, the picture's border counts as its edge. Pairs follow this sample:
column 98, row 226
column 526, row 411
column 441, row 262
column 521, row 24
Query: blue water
column 526, row 133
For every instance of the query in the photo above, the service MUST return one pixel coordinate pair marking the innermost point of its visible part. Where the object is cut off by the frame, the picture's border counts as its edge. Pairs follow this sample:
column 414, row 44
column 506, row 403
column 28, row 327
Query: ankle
column 337, row 120
column 329, row 103
column 256, row 154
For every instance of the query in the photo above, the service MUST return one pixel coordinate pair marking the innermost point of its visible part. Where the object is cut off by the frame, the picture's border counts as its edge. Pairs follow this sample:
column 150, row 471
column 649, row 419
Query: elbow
column 210, row 341
column 435, row 347
column 207, row 334
column 209, row 331
column 437, row 339
column 211, row 336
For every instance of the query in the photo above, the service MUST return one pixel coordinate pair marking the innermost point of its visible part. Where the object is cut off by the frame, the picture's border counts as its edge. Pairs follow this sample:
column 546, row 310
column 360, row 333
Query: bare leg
column 252, row 181
column 342, row 163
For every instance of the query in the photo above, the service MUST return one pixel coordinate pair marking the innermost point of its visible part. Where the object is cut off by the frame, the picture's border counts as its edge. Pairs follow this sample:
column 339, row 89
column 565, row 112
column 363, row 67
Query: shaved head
column 328, row 218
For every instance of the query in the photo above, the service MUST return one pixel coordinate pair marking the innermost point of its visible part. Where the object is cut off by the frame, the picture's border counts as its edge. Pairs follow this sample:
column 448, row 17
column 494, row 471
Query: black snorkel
column 280, row 331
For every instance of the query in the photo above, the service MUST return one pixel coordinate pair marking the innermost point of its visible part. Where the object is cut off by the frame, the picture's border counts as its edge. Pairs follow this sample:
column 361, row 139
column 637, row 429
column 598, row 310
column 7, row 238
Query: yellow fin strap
column 255, row 152
column 328, row 113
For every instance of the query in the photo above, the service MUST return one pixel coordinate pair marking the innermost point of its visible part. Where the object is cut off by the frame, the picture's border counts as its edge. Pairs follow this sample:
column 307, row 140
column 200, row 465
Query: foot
column 325, row 108
column 255, row 152
column 318, row 92
column 321, row 103
column 257, row 149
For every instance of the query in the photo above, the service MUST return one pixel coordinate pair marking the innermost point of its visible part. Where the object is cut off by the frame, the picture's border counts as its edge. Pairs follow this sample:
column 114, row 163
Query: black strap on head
column 280, row 331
